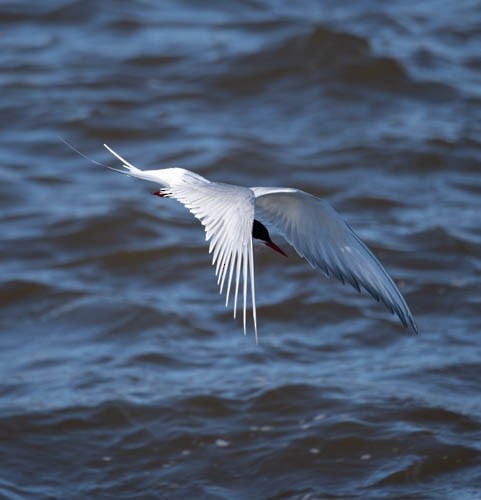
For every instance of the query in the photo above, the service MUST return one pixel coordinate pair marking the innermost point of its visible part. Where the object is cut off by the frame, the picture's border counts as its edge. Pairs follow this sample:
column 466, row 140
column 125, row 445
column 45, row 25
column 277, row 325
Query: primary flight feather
column 233, row 215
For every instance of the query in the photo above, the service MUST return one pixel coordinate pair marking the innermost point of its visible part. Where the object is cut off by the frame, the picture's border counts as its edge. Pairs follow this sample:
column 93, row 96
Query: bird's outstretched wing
column 319, row 235
column 227, row 214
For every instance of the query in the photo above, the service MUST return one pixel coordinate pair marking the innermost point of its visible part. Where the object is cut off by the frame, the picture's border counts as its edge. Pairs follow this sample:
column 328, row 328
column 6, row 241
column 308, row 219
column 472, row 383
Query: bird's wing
column 227, row 214
column 318, row 234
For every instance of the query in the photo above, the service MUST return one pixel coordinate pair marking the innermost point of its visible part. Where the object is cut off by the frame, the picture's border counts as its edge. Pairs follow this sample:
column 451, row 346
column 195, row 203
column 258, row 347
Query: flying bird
column 233, row 216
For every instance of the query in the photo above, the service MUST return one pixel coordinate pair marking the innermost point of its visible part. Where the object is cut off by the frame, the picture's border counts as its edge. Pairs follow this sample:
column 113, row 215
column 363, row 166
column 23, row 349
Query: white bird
column 234, row 215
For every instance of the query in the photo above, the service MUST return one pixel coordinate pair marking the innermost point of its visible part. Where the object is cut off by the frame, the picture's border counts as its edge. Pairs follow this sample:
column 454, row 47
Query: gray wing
column 318, row 234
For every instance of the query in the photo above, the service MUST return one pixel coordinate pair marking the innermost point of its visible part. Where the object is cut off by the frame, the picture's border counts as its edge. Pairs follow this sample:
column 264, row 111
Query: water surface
column 122, row 375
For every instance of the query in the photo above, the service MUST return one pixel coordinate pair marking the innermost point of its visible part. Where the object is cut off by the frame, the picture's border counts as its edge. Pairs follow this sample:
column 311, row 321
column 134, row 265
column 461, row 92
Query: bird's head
column 260, row 232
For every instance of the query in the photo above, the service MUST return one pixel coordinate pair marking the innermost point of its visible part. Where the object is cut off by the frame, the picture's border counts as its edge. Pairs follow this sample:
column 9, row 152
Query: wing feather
column 227, row 214
column 318, row 234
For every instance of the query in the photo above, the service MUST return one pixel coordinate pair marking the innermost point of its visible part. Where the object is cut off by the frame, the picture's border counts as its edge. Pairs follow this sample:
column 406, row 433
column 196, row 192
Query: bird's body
column 233, row 215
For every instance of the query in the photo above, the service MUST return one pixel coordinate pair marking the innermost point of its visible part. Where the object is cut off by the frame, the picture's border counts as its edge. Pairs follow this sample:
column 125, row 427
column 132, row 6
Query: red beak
column 159, row 193
column 272, row 245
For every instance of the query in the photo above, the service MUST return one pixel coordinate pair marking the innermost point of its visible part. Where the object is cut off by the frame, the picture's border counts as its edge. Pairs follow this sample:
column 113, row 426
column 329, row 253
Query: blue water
column 122, row 375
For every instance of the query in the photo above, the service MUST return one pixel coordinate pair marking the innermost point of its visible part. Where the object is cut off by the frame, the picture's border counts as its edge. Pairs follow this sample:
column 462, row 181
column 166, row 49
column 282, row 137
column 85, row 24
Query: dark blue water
column 121, row 373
